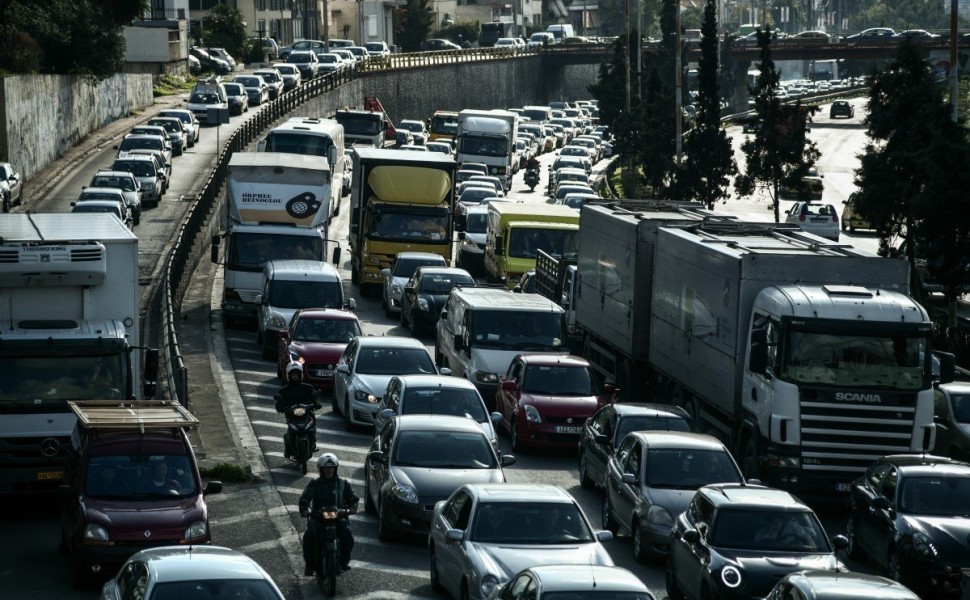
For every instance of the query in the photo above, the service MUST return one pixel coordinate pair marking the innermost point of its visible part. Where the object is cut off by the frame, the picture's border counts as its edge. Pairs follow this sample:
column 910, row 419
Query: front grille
column 574, row 420
column 85, row 254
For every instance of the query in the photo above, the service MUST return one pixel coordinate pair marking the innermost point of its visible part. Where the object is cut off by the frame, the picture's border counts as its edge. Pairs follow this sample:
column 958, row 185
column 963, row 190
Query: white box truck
column 488, row 137
column 69, row 308
column 277, row 208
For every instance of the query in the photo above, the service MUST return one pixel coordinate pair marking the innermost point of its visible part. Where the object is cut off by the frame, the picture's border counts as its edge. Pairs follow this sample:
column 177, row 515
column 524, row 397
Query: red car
column 545, row 399
column 316, row 338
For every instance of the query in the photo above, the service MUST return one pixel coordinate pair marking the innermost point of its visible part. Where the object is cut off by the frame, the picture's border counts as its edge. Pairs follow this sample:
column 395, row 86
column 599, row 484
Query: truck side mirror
column 351, row 304
column 150, row 375
column 758, row 360
column 461, row 235
column 214, row 250
column 336, row 256
column 444, row 315
column 947, row 366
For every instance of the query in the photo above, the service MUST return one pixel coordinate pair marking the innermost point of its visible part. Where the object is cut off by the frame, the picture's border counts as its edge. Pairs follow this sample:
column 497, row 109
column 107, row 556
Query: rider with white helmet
column 293, row 393
column 328, row 490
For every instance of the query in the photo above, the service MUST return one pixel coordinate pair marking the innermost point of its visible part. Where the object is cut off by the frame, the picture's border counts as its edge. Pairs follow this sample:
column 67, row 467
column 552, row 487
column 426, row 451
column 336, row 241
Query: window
column 633, row 462
column 458, row 511
column 889, row 485
column 876, row 474
column 624, row 449
column 601, row 420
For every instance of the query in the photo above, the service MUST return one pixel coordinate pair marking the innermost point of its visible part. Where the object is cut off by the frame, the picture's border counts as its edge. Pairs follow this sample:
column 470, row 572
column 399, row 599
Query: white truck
column 277, row 208
column 807, row 357
column 69, row 305
column 488, row 137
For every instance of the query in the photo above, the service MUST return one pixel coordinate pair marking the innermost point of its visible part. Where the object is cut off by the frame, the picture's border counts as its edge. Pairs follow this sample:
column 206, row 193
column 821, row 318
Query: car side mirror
column 386, row 272
column 461, row 235
column 495, row 418
column 880, row 503
column 343, row 369
column 692, row 536
column 629, row 478
column 350, row 304
column 508, row 460
column 840, row 542
column 601, row 438
column 509, row 385
column 609, row 389
column 604, row 536
column 453, row 536
column 444, row 315
column 387, row 414
column 375, row 456
column 213, row 487
column 444, row 371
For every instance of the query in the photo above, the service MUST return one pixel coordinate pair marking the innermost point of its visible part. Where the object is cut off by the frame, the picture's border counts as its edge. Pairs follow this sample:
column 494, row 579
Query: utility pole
column 639, row 49
column 326, row 24
column 626, row 60
column 678, row 84
column 954, row 66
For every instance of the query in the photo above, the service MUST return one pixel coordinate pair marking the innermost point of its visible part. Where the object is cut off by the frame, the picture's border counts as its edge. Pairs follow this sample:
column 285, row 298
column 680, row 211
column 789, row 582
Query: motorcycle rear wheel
column 328, row 582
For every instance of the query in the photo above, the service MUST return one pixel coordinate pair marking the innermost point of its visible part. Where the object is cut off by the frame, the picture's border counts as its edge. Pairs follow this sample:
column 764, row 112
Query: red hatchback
column 545, row 399
column 316, row 338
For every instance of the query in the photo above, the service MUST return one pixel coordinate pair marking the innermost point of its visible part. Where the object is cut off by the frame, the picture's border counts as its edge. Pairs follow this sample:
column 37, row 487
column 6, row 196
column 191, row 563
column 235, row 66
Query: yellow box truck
column 515, row 232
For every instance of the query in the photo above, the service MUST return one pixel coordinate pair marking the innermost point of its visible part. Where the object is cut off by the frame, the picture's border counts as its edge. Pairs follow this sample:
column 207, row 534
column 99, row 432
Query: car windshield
column 855, row 360
column 394, row 361
column 444, row 125
column 597, row 595
column 360, row 124
column 476, row 223
column 937, row 496
column 514, row 330
column 474, row 195
column 269, row 76
column 305, row 294
column 329, row 58
column 299, row 57
column 184, row 117
column 453, row 402
column 87, row 195
column 198, row 98
column 123, row 183
column 532, row 523
column 688, row 469
column 87, row 208
column 525, row 242
column 768, row 531
column 651, row 423
column 289, row 69
column 560, row 380
column 441, row 283
column 576, row 202
column 139, row 168
column 169, row 126
column 141, row 143
column 405, row 267
column 378, row 46
column 212, row 589
column 466, row 450
column 326, row 331
column 249, row 81
column 140, row 477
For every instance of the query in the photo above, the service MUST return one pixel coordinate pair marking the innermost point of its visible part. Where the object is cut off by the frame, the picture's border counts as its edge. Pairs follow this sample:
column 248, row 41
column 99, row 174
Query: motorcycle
column 532, row 179
column 328, row 547
column 302, row 427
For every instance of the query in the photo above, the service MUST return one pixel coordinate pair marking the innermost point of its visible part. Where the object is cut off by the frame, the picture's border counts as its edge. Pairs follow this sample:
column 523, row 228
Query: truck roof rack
column 132, row 414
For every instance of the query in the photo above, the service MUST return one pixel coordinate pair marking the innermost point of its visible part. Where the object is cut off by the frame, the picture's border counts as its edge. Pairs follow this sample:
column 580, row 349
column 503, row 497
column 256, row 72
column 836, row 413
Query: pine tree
column 417, row 20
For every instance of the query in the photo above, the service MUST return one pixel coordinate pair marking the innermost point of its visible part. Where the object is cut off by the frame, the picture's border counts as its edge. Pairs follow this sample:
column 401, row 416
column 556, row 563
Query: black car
column 425, row 294
column 911, row 515
column 604, row 431
column 438, row 44
column 824, row 585
column 841, row 108
column 737, row 541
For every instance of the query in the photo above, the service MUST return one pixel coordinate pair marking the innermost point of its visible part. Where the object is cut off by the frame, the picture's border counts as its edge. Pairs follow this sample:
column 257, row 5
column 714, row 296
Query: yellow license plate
column 48, row 475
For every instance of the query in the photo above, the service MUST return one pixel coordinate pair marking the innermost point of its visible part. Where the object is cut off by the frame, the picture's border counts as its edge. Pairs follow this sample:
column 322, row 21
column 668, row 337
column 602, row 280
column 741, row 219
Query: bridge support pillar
column 739, row 99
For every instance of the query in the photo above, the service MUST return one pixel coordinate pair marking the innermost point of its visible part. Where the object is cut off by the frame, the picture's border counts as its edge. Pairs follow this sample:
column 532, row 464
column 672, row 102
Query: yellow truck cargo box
column 405, row 184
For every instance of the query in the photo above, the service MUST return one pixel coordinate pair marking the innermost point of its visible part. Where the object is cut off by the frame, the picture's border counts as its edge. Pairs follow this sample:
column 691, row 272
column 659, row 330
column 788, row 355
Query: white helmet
column 294, row 366
column 327, row 459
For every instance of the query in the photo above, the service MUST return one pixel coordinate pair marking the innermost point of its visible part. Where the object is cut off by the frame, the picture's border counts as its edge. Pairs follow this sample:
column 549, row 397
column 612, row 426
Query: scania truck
column 805, row 356
column 400, row 202
column 277, row 207
column 69, row 308
column 488, row 137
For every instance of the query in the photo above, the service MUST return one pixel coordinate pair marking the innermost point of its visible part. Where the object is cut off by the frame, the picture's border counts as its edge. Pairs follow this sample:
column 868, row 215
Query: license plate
column 49, row 475
column 843, row 487
column 565, row 429
column 820, row 219
column 322, row 373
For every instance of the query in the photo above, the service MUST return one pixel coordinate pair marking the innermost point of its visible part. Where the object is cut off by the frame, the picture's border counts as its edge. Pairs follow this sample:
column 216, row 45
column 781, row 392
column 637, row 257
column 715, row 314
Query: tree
column 224, row 28
column 417, row 19
column 657, row 133
column 779, row 155
column 609, row 88
column 915, row 170
column 705, row 174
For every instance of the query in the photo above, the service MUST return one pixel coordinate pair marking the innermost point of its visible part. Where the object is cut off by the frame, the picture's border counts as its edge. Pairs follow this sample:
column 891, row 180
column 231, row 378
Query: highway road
column 262, row 519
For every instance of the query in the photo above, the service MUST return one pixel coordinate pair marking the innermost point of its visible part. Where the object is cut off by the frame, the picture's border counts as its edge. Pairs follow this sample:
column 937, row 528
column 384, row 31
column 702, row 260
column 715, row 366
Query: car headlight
column 659, row 516
column 923, row 545
column 96, row 532
column 405, row 493
column 783, row 462
column 489, row 583
column 423, row 304
column 196, row 530
column 395, row 289
column 295, row 357
column 731, row 576
column 277, row 321
column 532, row 414
column 364, row 396
column 485, row 377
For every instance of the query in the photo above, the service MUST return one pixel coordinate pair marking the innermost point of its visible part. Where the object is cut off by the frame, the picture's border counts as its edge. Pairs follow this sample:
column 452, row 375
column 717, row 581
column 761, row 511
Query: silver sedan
column 394, row 278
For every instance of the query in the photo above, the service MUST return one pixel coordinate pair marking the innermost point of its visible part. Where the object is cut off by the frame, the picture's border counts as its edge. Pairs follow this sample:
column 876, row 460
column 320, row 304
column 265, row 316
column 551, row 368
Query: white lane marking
column 289, row 469
column 252, row 361
column 245, row 518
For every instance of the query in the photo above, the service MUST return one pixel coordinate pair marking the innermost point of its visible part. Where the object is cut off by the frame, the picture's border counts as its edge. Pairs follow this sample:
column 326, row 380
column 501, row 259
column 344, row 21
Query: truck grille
column 845, row 438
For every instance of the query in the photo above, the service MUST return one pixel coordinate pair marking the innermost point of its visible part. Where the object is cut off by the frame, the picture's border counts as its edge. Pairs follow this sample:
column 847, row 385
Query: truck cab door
column 757, row 387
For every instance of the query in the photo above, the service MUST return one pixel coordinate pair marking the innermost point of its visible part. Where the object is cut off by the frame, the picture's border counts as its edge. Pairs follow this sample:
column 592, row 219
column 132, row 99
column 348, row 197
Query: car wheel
column 673, row 592
column 517, row 445
column 404, row 322
column 639, row 550
column 439, row 359
column 464, row 590
column 853, row 549
column 608, row 522
column 435, row 580
column 384, row 534
column 584, row 479
column 368, row 501
column 386, row 306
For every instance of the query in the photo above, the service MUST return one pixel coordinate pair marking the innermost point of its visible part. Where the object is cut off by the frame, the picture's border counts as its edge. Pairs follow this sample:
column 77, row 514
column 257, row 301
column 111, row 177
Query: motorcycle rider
column 293, row 393
column 326, row 491
column 532, row 164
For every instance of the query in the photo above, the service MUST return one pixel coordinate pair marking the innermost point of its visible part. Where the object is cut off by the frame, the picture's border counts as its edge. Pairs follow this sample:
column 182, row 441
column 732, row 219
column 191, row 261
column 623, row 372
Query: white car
column 377, row 49
column 816, row 218
column 291, row 75
column 395, row 277
column 190, row 572
column 274, row 80
column 366, row 367
column 541, row 38
column 189, row 122
column 331, row 61
column 485, row 533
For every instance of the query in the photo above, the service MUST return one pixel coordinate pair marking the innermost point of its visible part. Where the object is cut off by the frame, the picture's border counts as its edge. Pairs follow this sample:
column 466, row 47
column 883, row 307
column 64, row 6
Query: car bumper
column 551, row 435
column 237, row 309
column 362, row 413
column 410, row 518
column 393, row 302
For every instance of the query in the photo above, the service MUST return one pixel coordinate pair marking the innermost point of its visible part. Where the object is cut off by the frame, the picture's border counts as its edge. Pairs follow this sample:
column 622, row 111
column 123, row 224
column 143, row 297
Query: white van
column 560, row 31
column 289, row 285
column 482, row 329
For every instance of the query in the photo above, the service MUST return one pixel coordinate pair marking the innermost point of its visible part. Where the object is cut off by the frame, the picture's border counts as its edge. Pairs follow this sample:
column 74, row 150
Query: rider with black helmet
column 293, row 393
column 326, row 491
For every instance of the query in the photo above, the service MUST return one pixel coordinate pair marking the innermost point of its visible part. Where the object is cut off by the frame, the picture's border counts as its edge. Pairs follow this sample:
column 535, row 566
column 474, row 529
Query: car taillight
column 801, row 217
column 835, row 219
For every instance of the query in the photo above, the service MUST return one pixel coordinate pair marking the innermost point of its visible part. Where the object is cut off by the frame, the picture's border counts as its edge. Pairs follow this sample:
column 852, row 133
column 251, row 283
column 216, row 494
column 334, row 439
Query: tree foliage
column 915, row 170
column 779, row 155
column 609, row 87
column 416, row 20
column 223, row 28
column 709, row 165
column 81, row 37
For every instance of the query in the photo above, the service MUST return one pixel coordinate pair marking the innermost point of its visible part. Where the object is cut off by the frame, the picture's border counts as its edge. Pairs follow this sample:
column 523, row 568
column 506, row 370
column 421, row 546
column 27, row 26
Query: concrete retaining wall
column 41, row 116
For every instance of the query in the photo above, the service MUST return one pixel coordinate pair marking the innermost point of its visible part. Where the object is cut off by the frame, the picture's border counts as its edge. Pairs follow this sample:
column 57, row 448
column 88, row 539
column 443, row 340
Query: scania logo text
column 854, row 397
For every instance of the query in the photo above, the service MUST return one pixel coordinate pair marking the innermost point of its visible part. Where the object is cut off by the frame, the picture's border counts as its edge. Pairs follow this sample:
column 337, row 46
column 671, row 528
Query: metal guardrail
column 413, row 60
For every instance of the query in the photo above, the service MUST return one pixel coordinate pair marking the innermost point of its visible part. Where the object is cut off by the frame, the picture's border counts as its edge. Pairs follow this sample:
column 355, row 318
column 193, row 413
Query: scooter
column 301, row 425
column 328, row 548
column 532, row 179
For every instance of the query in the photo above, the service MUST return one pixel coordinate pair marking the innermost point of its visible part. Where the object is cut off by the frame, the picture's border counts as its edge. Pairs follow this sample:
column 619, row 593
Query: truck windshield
column 36, row 383
column 483, row 145
column 525, row 242
column 423, row 227
column 249, row 251
column 444, row 125
column 515, row 330
column 299, row 143
column 855, row 360
column 360, row 124
column 140, row 477
column 305, row 294
column 536, row 115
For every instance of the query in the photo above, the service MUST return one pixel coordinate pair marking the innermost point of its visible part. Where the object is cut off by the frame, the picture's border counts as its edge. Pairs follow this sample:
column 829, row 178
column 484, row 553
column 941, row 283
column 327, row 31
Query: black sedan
column 737, row 541
column 237, row 97
column 841, row 108
column 425, row 295
column 911, row 515
column 406, row 471
column 604, row 431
